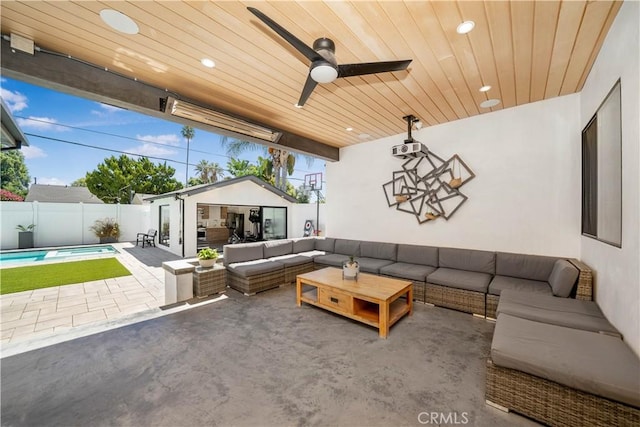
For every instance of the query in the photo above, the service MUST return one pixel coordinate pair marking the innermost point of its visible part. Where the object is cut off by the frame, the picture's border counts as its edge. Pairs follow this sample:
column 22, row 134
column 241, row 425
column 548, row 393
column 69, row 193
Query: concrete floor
column 259, row 361
column 43, row 314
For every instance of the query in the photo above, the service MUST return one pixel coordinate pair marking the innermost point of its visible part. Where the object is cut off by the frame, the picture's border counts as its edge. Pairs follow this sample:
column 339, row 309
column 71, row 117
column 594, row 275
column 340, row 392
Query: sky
column 56, row 123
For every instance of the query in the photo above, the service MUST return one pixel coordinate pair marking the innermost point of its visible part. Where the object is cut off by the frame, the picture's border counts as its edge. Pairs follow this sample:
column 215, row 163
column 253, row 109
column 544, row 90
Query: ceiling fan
column 324, row 67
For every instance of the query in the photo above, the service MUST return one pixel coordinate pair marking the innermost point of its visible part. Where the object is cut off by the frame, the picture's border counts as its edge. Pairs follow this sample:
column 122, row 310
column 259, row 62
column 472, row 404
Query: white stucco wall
column 525, row 197
column 617, row 271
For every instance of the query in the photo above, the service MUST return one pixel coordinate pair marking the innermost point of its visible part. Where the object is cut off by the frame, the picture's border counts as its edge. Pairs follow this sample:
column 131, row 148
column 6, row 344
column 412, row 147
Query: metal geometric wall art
column 427, row 186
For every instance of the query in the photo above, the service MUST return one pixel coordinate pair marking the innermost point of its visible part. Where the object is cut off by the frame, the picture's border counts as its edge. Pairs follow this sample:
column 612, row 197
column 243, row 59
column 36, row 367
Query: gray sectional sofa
column 560, row 361
column 554, row 356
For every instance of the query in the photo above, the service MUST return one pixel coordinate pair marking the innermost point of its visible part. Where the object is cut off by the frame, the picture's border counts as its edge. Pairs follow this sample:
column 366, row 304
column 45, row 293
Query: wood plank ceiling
column 525, row 50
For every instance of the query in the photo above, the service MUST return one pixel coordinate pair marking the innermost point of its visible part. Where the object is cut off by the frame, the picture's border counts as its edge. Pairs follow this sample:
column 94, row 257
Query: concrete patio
column 44, row 314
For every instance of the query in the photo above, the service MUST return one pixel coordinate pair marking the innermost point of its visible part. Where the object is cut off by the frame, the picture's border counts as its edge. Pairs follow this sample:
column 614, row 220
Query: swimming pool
column 53, row 254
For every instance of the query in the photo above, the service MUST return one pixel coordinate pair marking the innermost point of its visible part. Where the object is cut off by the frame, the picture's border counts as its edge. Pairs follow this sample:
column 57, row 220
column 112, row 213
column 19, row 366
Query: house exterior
column 61, row 194
column 178, row 215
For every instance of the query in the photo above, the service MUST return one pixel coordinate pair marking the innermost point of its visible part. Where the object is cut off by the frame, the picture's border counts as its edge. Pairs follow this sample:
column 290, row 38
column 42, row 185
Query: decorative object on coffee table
column 350, row 269
column 207, row 257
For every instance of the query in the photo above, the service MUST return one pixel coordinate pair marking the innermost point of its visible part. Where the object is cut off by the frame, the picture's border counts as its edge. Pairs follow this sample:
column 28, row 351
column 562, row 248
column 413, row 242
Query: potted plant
column 106, row 229
column 207, row 257
column 350, row 269
column 25, row 236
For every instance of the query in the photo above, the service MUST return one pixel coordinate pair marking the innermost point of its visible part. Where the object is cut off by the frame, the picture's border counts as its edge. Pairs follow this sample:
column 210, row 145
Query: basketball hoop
column 313, row 181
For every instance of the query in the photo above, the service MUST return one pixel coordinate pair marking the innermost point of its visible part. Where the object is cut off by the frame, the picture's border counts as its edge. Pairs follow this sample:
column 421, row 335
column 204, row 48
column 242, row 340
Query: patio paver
column 43, row 313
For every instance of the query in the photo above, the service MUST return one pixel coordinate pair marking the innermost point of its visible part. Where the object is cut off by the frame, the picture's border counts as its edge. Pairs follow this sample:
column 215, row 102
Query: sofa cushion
column 242, row 252
column 312, row 254
column 372, row 265
column 347, row 247
column 415, row 272
column 532, row 267
column 304, row 245
column 467, row 259
column 415, row 254
column 500, row 283
column 277, row 247
column 327, row 244
column 334, row 260
column 595, row 363
column 563, row 278
column 378, row 250
column 461, row 279
column 569, row 312
column 292, row 260
column 254, row 268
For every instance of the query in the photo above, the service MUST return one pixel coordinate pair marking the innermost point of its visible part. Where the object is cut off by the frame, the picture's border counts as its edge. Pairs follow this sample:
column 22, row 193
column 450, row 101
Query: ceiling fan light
column 324, row 73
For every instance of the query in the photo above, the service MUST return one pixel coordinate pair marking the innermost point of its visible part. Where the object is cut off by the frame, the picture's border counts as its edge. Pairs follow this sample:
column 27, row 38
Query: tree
column 6, row 195
column 301, row 195
column 282, row 161
column 209, row 172
column 117, row 179
column 80, row 182
column 263, row 169
column 188, row 133
column 14, row 175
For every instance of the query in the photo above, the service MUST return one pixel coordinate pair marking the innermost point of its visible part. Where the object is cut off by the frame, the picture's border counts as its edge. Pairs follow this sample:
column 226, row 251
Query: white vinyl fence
column 59, row 224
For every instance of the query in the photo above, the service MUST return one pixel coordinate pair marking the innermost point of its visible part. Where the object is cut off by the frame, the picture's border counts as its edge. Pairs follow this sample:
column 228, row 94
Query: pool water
column 28, row 256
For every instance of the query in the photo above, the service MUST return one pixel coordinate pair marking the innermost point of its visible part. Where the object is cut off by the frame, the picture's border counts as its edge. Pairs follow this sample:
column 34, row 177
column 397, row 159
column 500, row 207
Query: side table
column 209, row 281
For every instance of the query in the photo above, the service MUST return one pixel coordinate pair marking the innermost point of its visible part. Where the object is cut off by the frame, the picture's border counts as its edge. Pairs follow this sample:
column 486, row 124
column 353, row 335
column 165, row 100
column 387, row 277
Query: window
column 165, row 228
column 602, row 172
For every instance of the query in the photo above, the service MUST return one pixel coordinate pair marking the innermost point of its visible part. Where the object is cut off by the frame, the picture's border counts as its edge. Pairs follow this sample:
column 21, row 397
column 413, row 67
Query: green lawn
column 65, row 273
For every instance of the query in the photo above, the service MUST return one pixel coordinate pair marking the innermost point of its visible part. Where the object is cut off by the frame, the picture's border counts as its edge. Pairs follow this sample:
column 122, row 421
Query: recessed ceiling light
column 297, row 106
column 208, row 62
column 349, row 129
column 485, row 88
column 119, row 21
column 364, row 136
column 465, row 27
column 489, row 103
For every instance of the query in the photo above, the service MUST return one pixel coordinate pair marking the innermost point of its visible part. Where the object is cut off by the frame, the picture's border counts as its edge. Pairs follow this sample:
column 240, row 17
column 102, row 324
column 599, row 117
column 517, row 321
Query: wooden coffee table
column 371, row 299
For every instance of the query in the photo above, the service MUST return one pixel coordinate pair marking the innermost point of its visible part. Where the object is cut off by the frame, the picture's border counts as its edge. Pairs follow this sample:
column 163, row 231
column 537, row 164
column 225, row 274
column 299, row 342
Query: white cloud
column 40, row 123
column 106, row 110
column 148, row 149
column 32, row 152
column 15, row 100
column 169, row 139
column 51, row 181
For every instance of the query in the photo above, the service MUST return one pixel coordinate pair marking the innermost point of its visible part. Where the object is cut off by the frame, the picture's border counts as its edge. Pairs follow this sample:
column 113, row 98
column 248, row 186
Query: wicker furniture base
column 290, row 273
column 492, row 305
column 552, row 403
column 255, row 284
column 209, row 281
column 458, row 299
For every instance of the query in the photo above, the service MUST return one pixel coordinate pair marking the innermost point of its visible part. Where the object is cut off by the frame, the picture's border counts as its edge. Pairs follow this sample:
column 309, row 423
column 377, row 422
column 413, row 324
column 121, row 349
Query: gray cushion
column 254, row 268
column 414, row 254
column 595, row 363
column 347, row 247
column 467, row 259
column 292, row 260
column 277, row 248
column 532, row 267
column 242, row 252
column 569, row 312
column 415, row 272
column 500, row 283
column 304, row 245
column 335, row 260
column 563, row 277
column 378, row 250
column 372, row 265
column 461, row 279
column 327, row 244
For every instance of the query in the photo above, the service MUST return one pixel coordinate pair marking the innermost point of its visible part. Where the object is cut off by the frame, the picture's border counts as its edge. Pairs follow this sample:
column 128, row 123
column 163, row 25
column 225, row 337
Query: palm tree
column 187, row 133
column 209, row 172
column 282, row 161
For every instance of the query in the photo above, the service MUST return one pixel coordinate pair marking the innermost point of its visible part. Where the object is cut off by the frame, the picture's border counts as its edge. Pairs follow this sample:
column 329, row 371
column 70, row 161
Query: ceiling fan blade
column 348, row 70
column 308, row 52
column 309, row 85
